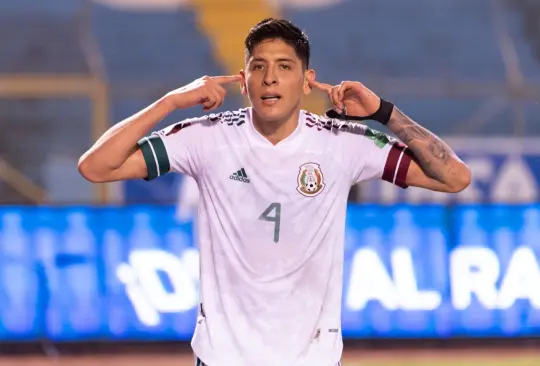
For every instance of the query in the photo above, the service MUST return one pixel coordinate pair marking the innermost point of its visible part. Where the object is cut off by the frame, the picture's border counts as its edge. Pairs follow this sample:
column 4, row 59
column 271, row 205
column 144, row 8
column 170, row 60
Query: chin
column 273, row 117
column 271, row 114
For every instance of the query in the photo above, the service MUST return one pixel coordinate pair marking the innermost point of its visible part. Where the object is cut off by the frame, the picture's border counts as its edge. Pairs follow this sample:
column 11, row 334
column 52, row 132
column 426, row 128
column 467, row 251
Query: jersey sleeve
column 378, row 156
column 177, row 148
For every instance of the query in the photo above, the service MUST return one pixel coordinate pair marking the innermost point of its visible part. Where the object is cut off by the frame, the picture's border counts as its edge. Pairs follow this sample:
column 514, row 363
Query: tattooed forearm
column 438, row 149
column 410, row 131
column 432, row 154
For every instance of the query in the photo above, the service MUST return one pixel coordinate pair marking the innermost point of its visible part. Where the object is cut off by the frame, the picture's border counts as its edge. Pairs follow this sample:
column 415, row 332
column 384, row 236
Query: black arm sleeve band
column 382, row 115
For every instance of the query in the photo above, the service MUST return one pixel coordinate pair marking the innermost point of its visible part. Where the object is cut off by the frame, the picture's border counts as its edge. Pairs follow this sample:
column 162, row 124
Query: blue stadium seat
column 162, row 50
column 422, row 39
column 41, row 8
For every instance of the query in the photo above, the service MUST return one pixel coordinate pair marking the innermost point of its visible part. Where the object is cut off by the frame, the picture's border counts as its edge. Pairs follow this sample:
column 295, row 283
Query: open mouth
column 270, row 97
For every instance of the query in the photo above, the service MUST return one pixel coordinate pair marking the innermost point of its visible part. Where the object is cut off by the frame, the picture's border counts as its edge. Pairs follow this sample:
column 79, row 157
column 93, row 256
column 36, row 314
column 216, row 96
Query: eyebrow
column 281, row 59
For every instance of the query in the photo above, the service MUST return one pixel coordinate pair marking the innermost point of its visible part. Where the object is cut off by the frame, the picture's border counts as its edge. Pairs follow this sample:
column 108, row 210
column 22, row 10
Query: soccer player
column 273, row 182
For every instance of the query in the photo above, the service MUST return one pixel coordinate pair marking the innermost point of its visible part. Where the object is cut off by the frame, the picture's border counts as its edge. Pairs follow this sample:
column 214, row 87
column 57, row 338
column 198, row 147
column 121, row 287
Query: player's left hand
column 358, row 100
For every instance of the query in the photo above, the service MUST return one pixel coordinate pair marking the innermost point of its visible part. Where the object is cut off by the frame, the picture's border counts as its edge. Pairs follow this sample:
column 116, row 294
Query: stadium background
column 97, row 274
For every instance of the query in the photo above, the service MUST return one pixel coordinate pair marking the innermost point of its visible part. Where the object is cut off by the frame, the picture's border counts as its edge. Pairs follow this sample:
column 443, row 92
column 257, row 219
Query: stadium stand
column 430, row 54
column 420, row 41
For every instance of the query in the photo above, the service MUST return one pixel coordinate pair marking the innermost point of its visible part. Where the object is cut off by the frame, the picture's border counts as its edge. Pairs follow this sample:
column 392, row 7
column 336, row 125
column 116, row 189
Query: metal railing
column 93, row 86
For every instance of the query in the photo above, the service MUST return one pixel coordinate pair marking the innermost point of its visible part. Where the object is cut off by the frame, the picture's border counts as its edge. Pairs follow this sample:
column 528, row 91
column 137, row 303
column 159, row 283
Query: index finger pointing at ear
column 321, row 86
column 227, row 79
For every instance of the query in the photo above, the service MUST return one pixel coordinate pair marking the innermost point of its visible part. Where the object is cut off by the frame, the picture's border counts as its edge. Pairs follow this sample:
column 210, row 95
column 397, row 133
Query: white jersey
column 271, row 227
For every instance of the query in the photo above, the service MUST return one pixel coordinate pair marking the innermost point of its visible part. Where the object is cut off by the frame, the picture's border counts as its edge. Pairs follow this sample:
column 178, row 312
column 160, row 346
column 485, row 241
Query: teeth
column 273, row 97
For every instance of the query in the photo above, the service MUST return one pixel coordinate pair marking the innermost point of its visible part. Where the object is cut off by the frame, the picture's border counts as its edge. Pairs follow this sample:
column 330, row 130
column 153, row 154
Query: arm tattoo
column 432, row 154
column 439, row 151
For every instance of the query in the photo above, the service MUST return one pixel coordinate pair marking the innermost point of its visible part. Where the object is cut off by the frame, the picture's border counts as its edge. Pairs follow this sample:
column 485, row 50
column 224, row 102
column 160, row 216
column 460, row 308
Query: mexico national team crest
column 310, row 180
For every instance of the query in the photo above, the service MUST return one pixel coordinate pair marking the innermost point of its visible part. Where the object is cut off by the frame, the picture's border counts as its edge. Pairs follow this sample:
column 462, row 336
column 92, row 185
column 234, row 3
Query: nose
column 270, row 78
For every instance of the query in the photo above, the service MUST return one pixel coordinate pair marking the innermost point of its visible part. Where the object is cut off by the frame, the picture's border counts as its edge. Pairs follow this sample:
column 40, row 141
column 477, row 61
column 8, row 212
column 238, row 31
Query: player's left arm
column 434, row 164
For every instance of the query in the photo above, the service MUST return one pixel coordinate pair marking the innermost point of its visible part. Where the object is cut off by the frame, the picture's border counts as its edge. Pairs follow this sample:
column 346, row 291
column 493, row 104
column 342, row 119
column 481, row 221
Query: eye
column 257, row 67
column 284, row 67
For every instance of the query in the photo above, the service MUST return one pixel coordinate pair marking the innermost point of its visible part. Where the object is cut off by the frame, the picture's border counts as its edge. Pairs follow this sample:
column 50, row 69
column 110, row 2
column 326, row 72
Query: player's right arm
column 117, row 155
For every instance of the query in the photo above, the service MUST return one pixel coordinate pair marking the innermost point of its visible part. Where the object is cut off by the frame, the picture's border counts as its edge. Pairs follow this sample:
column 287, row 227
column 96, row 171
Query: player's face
column 275, row 81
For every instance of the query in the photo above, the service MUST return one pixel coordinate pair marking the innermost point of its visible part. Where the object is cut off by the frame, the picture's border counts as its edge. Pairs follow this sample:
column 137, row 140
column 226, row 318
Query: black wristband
column 382, row 115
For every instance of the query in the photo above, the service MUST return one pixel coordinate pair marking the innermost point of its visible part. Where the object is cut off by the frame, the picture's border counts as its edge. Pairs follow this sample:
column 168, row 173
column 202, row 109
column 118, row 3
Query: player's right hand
column 207, row 91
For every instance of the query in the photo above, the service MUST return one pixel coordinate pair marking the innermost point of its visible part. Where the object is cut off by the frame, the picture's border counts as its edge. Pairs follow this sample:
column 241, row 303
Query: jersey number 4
column 273, row 214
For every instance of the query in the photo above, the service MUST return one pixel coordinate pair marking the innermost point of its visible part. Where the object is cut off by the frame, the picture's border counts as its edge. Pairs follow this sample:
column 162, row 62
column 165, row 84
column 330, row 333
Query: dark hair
column 284, row 30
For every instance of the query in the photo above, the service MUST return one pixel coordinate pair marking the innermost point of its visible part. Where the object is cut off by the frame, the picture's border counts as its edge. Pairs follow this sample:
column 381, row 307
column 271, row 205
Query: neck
column 278, row 130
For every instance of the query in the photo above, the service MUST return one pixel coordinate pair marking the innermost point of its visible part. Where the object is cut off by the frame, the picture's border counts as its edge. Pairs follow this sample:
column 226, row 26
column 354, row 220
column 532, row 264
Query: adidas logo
column 240, row 176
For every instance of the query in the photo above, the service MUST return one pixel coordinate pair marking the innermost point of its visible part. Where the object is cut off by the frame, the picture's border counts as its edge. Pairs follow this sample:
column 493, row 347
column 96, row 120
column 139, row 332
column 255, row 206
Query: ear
column 309, row 75
column 243, row 87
